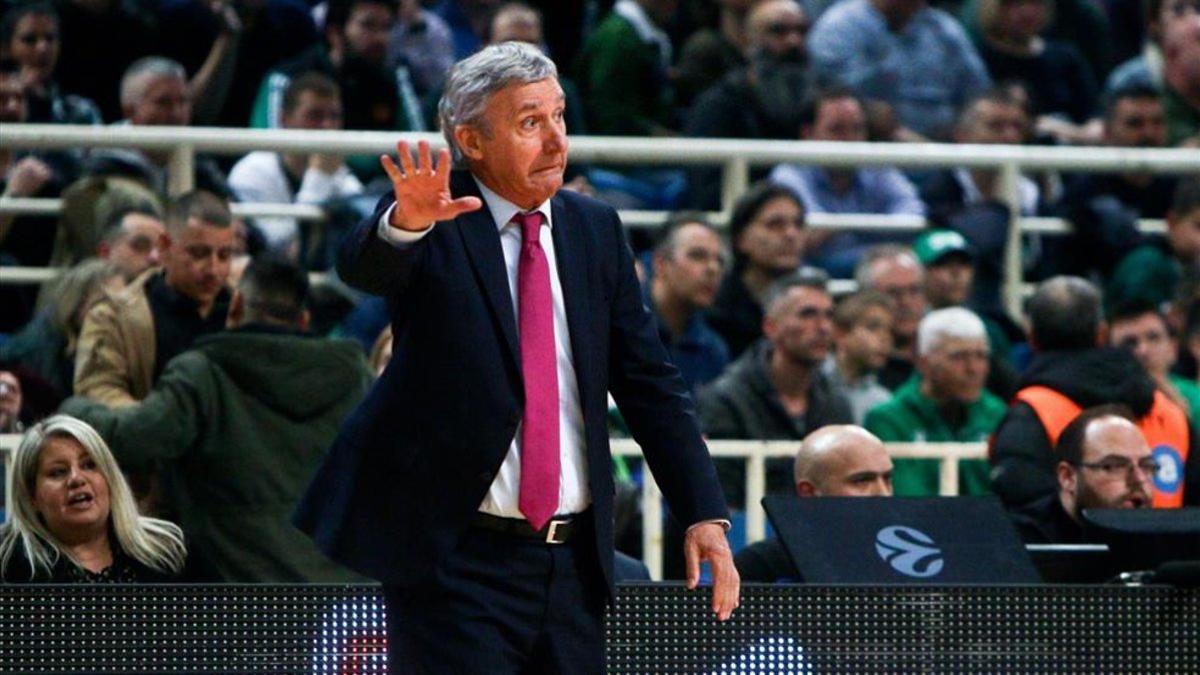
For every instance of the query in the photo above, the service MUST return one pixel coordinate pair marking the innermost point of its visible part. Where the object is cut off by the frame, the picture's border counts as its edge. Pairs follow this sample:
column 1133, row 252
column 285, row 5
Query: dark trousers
column 501, row 605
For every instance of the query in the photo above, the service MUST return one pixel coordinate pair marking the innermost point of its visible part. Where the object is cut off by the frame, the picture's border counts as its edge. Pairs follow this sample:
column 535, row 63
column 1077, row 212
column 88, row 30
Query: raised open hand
column 423, row 191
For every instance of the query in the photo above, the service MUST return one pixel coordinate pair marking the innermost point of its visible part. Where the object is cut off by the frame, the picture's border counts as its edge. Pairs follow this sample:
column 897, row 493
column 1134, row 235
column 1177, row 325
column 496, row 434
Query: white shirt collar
column 503, row 210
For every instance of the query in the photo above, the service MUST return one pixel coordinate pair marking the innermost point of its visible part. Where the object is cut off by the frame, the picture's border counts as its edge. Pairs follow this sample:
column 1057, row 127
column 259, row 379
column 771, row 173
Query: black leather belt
column 559, row 530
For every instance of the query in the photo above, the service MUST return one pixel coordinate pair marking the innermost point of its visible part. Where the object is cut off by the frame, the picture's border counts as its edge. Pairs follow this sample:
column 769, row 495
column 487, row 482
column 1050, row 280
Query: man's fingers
column 691, row 557
column 463, row 205
column 424, row 159
column 726, row 586
column 442, row 170
column 405, row 155
column 390, row 168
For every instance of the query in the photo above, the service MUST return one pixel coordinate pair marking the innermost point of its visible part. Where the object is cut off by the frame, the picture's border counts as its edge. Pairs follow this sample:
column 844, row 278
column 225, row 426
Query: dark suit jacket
column 411, row 465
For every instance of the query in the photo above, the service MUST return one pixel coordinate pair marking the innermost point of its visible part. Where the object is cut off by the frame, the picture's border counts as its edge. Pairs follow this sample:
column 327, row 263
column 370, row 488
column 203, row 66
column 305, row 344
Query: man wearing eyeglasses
column 1104, row 463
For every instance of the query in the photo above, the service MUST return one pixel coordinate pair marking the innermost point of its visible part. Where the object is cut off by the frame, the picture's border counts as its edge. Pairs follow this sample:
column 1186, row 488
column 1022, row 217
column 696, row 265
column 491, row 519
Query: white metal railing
column 756, row 454
column 735, row 156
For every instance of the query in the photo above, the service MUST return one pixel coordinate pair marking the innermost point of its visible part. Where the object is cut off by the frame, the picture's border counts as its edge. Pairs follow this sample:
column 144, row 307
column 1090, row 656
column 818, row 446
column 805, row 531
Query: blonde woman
column 72, row 517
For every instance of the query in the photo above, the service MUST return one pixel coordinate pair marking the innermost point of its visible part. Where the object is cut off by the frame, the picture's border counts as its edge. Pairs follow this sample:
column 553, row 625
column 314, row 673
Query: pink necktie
column 539, row 428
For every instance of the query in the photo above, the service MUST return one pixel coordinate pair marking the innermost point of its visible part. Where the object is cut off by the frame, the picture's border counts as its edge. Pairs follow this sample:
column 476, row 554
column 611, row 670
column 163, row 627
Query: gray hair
column 473, row 80
column 1065, row 313
column 865, row 272
column 951, row 322
column 140, row 73
column 805, row 277
column 155, row 543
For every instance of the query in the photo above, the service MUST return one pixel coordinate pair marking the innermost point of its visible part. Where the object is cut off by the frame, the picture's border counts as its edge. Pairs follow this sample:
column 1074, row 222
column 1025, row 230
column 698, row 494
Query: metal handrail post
column 735, row 179
column 1010, row 187
column 181, row 170
column 756, row 487
column 652, row 526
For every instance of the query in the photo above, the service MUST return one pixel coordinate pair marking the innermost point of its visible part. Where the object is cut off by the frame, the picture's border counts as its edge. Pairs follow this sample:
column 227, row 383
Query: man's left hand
column 707, row 541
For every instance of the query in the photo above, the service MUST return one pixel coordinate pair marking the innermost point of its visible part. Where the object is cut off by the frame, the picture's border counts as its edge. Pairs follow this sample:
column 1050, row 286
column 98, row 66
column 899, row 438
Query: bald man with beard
column 834, row 461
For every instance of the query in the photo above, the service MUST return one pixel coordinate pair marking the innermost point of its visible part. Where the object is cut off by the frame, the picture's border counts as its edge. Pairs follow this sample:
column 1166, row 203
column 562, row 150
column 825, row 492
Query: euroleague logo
column 909, row 551
column 1170, row 469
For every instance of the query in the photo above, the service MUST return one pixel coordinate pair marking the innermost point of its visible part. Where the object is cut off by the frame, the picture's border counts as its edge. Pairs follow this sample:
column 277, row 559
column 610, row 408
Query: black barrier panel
column 654, row 628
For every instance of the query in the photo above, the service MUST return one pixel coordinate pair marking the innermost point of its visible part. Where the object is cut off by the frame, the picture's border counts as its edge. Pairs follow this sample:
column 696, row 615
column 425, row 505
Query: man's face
column 1116, row 471
column 35, row 46
column 801, row 325
column 778, row 30
column 520, row 150
column 10, row 402
column 165, row 103
column 1136, row 123
column 197, row 260
column 137, row 248
column 839, row 119
column 366, row 31
column 856, row 470
column 12, row 99
column 995, row 123
column 1147, row 337
column 774, row 240
column 314, row 111
column 1021, row 20
column 517, row 26
column 956, row 369
column 869, row 340
column 948, row 282
column 692, row 270
column 900, row 12
column 1181, row 46
column 901, row 279
column 1183, row 232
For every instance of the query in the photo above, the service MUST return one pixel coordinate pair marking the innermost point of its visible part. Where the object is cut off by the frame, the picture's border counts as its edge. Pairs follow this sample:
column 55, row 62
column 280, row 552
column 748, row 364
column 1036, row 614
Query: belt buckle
column 552, row 530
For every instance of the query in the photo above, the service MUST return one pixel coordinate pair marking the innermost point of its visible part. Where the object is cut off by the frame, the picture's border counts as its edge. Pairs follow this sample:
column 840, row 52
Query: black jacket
column 1046, row 522
column 743, row 404
column 1022, row 458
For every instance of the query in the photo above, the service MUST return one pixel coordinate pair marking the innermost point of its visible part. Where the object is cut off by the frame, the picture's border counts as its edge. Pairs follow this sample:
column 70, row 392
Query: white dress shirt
column 573, row 493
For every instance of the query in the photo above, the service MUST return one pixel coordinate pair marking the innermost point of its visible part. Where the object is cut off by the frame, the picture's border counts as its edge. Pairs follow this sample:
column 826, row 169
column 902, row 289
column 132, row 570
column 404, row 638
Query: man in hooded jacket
column 241, row 422
column 1071, row 371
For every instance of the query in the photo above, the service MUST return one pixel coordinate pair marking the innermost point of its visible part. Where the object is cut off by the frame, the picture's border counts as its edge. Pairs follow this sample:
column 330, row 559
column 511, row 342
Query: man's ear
column 769, row 327
column 103, row 250
column 304, row 321
column 237, row 310
column 805, row 488
column 1102, row 334
column 1067, row 476
column 923, row 366
column 468, row 138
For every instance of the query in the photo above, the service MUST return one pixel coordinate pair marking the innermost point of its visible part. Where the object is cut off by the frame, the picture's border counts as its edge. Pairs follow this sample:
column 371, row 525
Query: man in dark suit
column 475, row 481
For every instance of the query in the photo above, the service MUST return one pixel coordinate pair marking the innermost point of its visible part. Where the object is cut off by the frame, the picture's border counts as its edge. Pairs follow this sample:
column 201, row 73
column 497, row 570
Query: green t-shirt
column 913, row 417
column 1190, row 391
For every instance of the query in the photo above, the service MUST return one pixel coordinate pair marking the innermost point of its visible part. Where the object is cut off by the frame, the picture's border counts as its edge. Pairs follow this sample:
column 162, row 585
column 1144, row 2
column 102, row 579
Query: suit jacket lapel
column 482, row 242
column 570, row 251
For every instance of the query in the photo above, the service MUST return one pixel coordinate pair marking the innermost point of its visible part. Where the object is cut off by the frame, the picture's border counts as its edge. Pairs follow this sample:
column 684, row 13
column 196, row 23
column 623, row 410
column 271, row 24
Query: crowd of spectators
column 188, row 341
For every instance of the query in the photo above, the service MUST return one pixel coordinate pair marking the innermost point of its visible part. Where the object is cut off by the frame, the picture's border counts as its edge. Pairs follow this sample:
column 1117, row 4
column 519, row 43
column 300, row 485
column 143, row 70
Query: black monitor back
column 933, row 540
column 1143, row 539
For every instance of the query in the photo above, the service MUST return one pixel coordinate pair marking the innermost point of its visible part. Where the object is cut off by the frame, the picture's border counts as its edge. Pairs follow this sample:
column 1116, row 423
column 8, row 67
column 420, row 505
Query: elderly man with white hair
column 839, row 460
column 944, row 402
